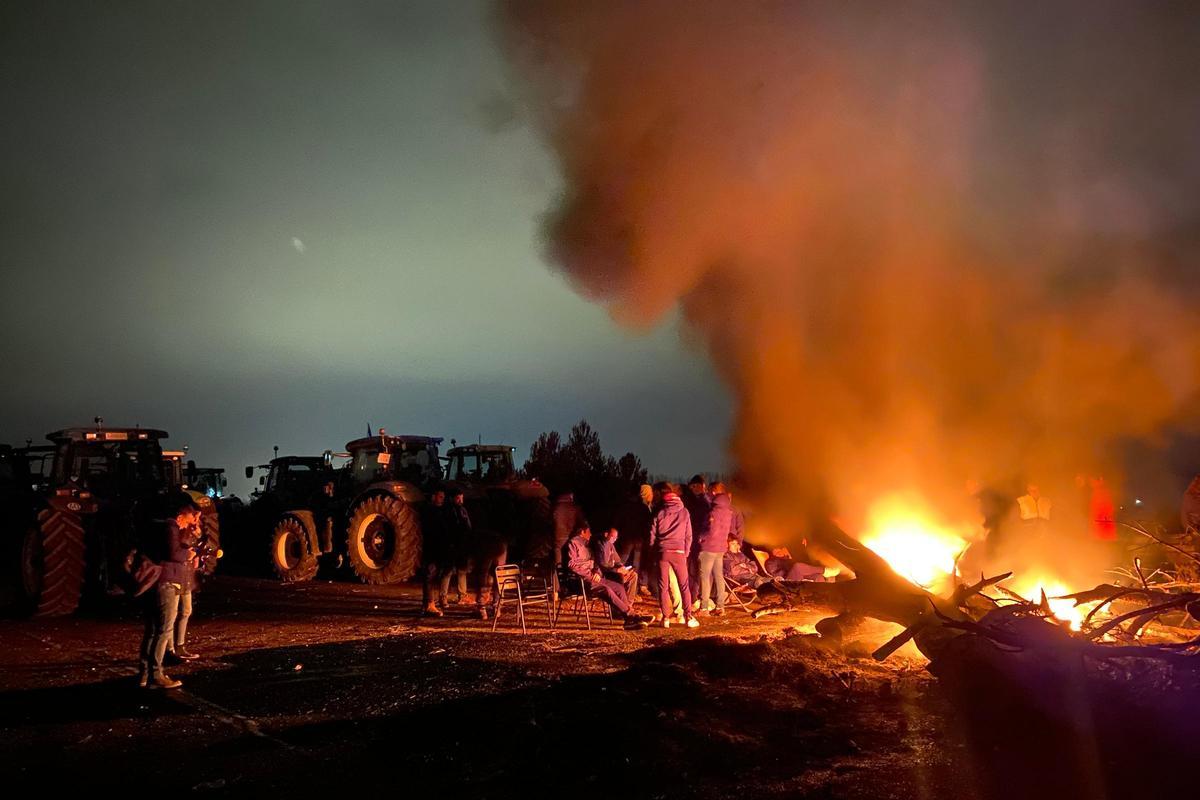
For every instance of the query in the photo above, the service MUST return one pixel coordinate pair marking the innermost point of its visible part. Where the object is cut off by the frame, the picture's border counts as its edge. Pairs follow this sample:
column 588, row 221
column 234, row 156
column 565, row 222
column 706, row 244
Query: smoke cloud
column 923, row 243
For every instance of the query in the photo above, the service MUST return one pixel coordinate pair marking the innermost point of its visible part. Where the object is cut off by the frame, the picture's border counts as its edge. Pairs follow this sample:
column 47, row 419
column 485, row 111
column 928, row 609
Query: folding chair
column 574, row 588
column 741, row 594
column 520, row 590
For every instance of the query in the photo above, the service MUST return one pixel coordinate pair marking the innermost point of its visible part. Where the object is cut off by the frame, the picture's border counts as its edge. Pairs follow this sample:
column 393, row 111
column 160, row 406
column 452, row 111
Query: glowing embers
column 904, row 535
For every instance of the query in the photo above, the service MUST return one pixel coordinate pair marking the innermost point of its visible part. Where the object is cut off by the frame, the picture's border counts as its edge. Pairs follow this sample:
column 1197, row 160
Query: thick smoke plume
column 923, row 243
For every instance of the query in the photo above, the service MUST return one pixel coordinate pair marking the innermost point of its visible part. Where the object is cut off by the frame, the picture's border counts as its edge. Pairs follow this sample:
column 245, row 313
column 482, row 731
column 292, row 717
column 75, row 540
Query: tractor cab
column 209, row 481
column 487, row 464
column 394, row 459
column 291, row 481
column 109, row 463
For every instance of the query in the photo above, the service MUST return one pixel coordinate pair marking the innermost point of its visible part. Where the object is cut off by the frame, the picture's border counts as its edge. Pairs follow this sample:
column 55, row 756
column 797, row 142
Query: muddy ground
column 324, row 685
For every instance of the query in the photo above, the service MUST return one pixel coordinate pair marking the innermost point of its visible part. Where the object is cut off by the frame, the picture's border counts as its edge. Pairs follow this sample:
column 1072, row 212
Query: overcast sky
column 274, row 223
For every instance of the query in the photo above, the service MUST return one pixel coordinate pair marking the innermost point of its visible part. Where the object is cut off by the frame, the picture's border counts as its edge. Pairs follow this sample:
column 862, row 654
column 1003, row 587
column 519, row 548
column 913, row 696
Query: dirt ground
column 309, row 687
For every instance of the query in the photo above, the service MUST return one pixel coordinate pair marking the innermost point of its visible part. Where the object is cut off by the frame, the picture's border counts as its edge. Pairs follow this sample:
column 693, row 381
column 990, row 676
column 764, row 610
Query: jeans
column 179, row 634
column 712, row 571
column 613, row 592
column 668, row 563
column 161, row 609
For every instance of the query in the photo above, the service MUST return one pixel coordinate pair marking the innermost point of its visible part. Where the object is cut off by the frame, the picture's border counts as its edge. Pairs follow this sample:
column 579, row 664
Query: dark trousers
column 613, row 592
column 161, row 608
column 433, row 589
column 676, row 562
column 485, row 572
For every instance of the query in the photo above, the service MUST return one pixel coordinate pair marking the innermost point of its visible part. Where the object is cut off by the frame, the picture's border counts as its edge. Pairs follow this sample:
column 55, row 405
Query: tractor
column 300, row 502
column 105, row 489
column 388, row 479
column 515, row 508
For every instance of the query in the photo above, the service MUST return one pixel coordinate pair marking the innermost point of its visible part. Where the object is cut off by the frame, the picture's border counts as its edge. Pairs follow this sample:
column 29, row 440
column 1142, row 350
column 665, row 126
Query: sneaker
column 695, row 605
column 711, row 606
column 634, row 624
column 718, row 612
column 666, row 622
column 693, row 622
column 702, row 613
column 680, row 619
column 433, row 611
column 164, row 681
column 143, row 679
column 186, row 655
column 483, row 615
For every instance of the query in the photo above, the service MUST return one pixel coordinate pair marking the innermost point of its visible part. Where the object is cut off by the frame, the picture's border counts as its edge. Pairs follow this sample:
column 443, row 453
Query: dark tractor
column 299, row 502
column 388, row 479
column 498, row 499
column 106, row 486
column 18, row 488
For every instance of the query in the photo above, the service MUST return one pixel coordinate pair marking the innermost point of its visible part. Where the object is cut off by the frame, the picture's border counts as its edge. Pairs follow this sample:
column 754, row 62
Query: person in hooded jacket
column 713, row 544
column 671, row 540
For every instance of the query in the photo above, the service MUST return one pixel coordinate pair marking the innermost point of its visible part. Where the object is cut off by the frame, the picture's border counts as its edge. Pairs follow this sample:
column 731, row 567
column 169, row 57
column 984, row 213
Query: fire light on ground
column 916, row 547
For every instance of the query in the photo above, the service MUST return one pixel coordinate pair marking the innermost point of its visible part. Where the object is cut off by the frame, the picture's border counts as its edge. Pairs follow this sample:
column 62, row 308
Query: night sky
column 274, row 223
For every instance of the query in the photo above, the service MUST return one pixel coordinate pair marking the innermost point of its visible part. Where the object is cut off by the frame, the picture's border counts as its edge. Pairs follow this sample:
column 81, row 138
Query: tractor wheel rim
column 288, row 551
column 377, row 542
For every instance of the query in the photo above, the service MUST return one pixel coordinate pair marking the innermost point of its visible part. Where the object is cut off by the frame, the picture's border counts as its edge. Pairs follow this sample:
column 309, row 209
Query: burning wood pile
column 1114, row 668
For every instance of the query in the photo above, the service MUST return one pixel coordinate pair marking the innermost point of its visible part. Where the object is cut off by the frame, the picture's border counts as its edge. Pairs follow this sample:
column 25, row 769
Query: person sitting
column 580, row 563
column 741, row 568
column 781, row 565
column 611, row 564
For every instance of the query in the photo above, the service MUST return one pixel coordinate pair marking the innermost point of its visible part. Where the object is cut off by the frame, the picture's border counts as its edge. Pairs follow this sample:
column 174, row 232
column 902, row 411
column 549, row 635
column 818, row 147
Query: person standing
column 177, row 575
column 633, row 527
column 698, row 501
column 459, row 525
column 436, row 551
column 191, row 537
column 671, row 540
column 713, row 545
column 567, row 518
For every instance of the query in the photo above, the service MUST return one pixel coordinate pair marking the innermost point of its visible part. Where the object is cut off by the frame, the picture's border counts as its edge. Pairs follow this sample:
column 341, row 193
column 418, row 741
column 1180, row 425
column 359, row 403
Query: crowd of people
column 671, row 548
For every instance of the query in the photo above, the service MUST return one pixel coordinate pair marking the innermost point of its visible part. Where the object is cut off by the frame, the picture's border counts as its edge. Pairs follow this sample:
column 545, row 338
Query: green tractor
column 387, row 482
column 298, row 502
column 104, row 490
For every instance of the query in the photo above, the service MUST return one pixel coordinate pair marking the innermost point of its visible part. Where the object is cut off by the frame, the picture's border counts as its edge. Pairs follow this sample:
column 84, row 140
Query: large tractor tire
column 291, row 557
column 384, row 540
column 210, row 526
column 53, row 563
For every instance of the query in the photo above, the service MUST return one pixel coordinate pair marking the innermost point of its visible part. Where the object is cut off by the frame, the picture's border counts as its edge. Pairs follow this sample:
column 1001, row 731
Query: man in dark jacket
column 633, row 526
column 671, row 540
column 580, row 562
column 178, row 563
column 461, row 535
column 698, row 501
column 567, row 518
column 437, row 551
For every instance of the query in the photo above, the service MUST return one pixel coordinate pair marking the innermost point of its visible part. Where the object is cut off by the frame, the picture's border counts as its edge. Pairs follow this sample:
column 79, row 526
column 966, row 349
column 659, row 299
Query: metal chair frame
column 512, row 586
column 582, row 601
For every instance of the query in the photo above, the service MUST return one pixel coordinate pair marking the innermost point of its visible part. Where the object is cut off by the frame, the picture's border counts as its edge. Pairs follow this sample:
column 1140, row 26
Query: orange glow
column 905, row 535
column 1031, row 589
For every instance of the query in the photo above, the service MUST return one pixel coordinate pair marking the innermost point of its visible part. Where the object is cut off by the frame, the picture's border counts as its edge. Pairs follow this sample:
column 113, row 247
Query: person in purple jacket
column 580, row 562
column 713, row 544
column 671, row 540
column 177, row 576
